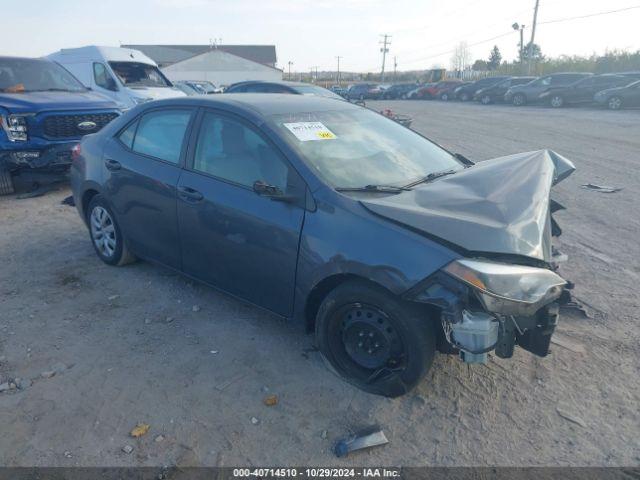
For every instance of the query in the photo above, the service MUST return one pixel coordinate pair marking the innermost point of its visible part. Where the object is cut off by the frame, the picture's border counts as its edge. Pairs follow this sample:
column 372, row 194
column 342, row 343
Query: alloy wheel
column 518, row 100
column 615, row 103
column 485, row 100
column 556, row 101
column 103, row 231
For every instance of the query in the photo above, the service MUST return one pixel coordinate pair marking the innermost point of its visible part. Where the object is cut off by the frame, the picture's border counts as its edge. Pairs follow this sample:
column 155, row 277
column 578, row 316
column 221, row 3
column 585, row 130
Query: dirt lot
column 142, row 344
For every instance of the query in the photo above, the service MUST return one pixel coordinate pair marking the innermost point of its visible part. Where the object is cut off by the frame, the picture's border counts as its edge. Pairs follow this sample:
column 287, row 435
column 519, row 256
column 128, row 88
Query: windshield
column 357, row 147
column 135, row 74
column 206, row 87
column 318, row 91
column 18, row 75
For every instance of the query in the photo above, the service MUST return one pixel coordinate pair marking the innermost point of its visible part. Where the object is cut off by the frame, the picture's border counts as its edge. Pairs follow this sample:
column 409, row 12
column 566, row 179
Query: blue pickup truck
column 44, row 112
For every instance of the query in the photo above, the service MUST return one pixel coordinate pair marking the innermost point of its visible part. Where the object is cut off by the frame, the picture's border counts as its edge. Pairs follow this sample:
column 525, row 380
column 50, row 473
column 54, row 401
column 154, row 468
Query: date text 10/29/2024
column 302, row 473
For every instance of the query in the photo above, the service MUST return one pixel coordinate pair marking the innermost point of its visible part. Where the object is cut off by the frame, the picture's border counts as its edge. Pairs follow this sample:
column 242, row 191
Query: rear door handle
column 112, row 164
column 189, row 194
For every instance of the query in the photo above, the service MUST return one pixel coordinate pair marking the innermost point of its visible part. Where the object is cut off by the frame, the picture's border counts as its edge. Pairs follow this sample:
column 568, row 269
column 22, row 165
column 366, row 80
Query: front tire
column 444, row 97
column 464, row 97
column 556, row 101
column 373, row 340
column 6, row 182
column 485, row 100
column 519, row 100
column 105, row 233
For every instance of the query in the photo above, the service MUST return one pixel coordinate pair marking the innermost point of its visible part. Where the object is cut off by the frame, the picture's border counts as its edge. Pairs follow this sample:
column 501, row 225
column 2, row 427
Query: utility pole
column 316, row 69
column 289, row 63
column 338, row 74
column 533, row 35
column 395, row 67
column 516, row 26
column 385, row 43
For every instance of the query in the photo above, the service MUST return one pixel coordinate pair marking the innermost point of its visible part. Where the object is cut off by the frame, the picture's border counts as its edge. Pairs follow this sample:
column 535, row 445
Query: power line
column 566, row 19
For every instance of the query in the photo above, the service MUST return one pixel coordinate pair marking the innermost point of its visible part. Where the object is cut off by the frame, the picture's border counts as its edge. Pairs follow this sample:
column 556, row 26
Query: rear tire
column 6, row 182
column 444, row 97
column 614, row 103
column 374, row 341
column 485, row 100
column 105, row 233
column 464, row 97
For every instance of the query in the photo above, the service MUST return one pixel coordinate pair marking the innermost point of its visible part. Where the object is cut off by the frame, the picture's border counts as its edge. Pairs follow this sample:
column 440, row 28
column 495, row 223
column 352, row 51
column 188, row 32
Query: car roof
column 259, row 103
column 272, row 82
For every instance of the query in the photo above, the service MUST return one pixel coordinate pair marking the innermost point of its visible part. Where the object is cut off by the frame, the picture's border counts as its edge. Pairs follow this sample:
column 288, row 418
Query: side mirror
column 274, row 193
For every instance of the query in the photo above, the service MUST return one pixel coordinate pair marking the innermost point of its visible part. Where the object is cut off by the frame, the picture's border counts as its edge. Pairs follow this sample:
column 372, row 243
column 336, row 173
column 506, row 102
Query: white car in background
column 125, row 75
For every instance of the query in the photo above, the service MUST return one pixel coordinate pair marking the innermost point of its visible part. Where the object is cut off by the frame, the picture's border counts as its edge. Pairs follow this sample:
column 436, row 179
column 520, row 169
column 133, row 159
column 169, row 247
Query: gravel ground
column 101, row 349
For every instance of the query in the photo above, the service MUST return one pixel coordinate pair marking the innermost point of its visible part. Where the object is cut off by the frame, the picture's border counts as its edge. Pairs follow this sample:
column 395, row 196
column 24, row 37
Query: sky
column 312, row 33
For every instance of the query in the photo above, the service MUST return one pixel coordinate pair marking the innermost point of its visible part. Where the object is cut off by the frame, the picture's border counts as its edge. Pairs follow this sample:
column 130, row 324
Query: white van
column 127, row 76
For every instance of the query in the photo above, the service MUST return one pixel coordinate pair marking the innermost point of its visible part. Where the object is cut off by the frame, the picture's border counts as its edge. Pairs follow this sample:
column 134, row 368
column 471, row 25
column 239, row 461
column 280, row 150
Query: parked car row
column 611, row 90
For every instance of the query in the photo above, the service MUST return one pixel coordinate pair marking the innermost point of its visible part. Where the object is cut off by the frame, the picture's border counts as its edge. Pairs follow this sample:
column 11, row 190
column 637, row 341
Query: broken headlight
column 15, row 126
column 508, row 289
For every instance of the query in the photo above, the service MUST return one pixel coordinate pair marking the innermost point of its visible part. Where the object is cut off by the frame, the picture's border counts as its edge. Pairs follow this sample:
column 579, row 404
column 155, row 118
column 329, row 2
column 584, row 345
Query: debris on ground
column 195, row 308
column 48, row 374
column 169, row 319
column 600, row 188
column 147, row 321
column 127, row 449
column 360, row 442
column 139, row 430
column 567, row 343
column 23, row 383
column 571, row 417
column 159, row 438
column 4, row 387
column 270, row 400
column 213, row 351
column 69, row 201
column 324, row 434
column 68, row 454
column 404, row 120
column 59, row 367
column 254, row 420
column 113, row 297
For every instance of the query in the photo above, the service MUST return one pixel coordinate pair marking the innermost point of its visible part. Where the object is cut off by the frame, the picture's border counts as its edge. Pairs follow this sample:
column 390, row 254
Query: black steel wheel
column 373, row 340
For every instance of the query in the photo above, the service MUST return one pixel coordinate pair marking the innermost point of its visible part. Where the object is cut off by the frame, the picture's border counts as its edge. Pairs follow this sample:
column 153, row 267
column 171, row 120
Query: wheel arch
column 325, row 286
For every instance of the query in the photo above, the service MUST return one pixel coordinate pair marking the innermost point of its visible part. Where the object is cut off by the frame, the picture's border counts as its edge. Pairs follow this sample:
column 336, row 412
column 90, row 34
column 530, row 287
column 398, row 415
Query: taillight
column 76, row 151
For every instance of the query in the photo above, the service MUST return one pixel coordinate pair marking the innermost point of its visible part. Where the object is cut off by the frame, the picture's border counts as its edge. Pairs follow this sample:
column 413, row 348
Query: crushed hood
column 499, row 206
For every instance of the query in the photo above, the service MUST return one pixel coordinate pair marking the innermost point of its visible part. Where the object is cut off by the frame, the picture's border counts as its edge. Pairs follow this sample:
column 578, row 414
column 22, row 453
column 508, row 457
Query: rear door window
column 161, row 133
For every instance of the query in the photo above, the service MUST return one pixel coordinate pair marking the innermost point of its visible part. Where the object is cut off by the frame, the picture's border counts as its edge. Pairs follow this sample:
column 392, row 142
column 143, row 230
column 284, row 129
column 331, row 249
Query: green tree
column 480, row 65
column 495, row 57
column 536, row 53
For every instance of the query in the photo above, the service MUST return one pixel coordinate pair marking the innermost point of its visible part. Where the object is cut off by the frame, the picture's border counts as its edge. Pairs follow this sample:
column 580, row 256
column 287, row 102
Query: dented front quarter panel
column 342, row 238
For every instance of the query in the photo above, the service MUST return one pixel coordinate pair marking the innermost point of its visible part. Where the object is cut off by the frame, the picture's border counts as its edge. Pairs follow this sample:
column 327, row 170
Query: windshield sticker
column 308, row 131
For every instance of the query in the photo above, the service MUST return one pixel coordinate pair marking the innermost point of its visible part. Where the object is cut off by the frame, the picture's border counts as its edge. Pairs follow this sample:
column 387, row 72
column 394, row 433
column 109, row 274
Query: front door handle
column 112, row 164
column 189, row 194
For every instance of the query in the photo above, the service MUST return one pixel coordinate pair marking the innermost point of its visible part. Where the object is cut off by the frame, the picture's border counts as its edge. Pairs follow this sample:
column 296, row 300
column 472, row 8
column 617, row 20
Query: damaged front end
column 505, row 290
column 486, row 305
